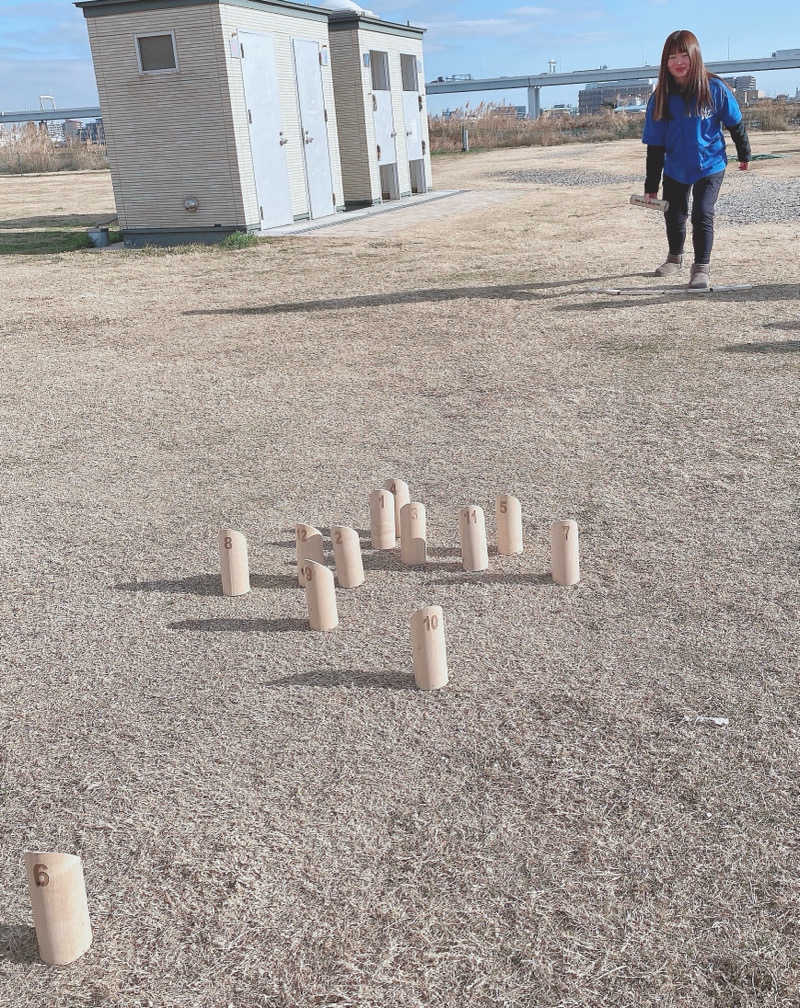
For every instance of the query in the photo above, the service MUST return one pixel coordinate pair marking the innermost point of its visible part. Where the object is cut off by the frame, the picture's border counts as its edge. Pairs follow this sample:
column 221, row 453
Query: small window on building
column 379, row 64
column 408, row 65
column 156, row 53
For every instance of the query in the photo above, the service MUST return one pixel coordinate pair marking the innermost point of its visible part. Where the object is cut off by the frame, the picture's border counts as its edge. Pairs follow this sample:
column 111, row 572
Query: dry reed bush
column 31, row 150
column 771, row 115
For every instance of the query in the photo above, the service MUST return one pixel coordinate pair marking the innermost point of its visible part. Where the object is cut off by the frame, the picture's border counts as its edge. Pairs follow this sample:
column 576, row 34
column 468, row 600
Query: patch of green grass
column 239, row 240
column 42, row 242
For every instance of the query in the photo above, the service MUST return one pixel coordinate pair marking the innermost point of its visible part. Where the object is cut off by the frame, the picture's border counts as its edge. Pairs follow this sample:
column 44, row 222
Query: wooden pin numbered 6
column 402, row 496
column 413, row 534
column 428, row 648
column 320, row 596
column 472, row 533
column 233, row 562
column 58, row 901
column 564, row 552
column 308, row 546
column 381, row 519
column 347, row 554
column 508, row 512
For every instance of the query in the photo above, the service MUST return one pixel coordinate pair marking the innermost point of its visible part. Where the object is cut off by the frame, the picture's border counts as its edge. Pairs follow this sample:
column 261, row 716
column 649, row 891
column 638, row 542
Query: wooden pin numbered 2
column 347, row 554
column 308, row 546
column 233, row 562
column 58, row 901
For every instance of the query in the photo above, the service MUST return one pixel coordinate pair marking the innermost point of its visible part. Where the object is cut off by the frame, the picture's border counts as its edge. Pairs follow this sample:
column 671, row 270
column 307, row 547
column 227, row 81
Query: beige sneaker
column 698, row 279
column 673, row 265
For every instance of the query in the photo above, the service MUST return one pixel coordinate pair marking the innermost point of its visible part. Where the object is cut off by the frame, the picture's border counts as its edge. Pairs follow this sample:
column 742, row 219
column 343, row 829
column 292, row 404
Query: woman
column 683, row 133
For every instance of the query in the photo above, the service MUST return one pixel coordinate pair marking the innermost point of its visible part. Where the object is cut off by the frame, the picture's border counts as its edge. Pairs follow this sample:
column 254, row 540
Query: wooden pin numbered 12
column 58, row 901
column 564, row 552
column 347, row 554
column 653, row 204
column 233, row 562
column 472, row 532
column 320, row 596
column 428, row 648
column 413, row 534
column 402, row 496
column 308, row 546
column 508, row 512
column 381, row 519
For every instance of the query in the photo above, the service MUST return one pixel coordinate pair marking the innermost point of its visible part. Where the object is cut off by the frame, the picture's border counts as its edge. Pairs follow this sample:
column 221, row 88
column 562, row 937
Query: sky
column 44, row 47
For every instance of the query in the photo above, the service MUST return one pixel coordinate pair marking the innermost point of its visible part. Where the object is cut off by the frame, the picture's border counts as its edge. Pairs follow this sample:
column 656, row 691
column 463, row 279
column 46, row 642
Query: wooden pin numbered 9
column 233, row 562
column 308, row 546
column 508, row 512
column 347, row 554
column 402, row 496
column 472, row 533
column 564, row 552
column 320, row 596
column 413, row 534
column 653, row 204
column 58, row 901
column 381, row 519
column 428, row 648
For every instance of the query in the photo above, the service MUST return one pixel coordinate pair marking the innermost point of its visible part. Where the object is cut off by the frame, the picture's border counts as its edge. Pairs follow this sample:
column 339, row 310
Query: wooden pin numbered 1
column 428, row 648
column 564, row 552
column 381, row 519
column 308, row 546
column 58, row 900
column 508, row 512
column 233, row 562
column 347, row 554
column 472, row 532
column 413, row 534
column 320, row 596
column 402, row 496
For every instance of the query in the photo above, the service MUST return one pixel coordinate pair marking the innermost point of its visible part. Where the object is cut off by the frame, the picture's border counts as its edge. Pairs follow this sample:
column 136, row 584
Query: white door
column 314, row 127
column 267, row 139
column 413, row 126
column 382, row 108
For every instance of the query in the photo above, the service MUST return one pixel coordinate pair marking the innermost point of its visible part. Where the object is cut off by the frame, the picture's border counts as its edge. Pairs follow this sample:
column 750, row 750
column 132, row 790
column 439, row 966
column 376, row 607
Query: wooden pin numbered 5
column 233, row 562
column 347, row 554
column 308, row 546
column 402, row 496
column 508, row 512
column 564, row 552
column 428, row 648
column 58, row 901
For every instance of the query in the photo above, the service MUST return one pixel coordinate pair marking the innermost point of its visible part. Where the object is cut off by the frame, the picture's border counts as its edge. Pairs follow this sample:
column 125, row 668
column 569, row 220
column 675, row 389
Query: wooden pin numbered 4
column 58, row 901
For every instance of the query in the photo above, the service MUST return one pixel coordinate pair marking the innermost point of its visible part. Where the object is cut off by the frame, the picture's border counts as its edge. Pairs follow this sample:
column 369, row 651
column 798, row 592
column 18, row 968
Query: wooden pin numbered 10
column 347, row 554
column 58, row 901
column 653, row 204
column 508, row 512
column 413, row 534
column 564, row 552
column 233, row 563
column 308, row 546
column 428, row 648
column 381, row 519
column 472, row 532
column 320, row 596
column 402, row 496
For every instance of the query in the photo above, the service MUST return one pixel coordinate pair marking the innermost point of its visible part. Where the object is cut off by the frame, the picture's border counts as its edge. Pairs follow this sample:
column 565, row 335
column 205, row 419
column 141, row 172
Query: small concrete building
column 219, row 115
column 382, row 118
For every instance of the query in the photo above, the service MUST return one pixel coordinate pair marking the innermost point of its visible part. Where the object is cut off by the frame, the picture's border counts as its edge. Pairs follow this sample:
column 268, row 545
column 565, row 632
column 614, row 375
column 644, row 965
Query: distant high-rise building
column 596, row 97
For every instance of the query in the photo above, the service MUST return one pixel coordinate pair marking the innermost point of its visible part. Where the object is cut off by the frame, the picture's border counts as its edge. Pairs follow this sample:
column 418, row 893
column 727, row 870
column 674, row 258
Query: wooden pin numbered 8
column 233, row 562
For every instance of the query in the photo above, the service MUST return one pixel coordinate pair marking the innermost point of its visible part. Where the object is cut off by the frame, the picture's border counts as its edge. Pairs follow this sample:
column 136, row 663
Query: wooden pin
column 472, row 532
column 413, row 534
column 58, row 900
column 308, row 546
column 320, row 596
column 233, row 562
column 428, row 648
column 508, row 511
column 401, row 497
column 381, row 518
column 564, row 552
column 347, row 554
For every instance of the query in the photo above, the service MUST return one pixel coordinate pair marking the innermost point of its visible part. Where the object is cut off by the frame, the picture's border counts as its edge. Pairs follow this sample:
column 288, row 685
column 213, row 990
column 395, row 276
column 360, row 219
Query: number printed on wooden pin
column 431, row 622
column 503, row 506
column 40, row 875
column 338, row 536
column 414, row 514
column 228, row 542
column 308, row 573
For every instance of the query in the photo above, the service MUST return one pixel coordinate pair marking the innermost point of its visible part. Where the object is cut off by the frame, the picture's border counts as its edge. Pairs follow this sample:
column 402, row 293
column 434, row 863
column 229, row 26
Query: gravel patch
column 576, row 177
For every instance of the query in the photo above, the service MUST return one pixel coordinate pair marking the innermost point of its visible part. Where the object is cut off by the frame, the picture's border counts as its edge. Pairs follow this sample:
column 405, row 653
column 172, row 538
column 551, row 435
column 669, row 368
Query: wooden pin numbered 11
column 58, row 901
column 653, row 204
column 472, row 532
column 428, row 648
column 233, row 563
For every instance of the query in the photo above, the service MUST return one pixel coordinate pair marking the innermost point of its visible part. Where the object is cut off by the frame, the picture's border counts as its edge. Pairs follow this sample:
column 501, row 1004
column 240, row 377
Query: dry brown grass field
column 270, row 817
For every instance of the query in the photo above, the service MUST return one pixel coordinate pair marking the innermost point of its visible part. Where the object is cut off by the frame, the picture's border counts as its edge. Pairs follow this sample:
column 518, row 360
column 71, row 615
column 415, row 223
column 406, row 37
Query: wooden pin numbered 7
column 564, row 552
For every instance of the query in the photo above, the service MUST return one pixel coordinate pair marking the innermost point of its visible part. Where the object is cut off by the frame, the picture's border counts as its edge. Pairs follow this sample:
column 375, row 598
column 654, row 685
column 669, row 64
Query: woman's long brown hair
column 696, row 91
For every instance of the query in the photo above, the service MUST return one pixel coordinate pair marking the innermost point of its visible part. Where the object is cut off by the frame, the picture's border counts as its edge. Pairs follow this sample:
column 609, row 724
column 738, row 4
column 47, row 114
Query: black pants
column 704, row 197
